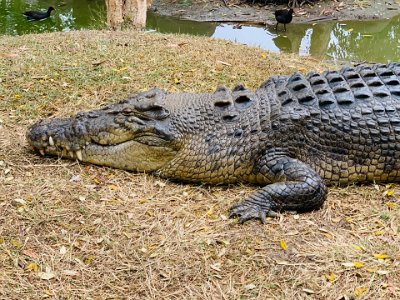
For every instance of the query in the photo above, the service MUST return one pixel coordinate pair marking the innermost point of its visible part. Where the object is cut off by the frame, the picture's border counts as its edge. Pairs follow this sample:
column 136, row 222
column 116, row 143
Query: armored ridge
column 292, row 136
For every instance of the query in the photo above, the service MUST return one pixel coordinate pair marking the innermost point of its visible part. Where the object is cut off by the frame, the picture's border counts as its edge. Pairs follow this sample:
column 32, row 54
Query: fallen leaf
column 330, row 277
column 283, row 245
column 250, row 286
column 392, row 205
column 89, row 260
column 359, row 291
column 381, row 256
column 46, row 275
column 224, row 63
column 216, row 267
column 308, row 291
column 388, row 193
column 33, row 267
column 357, row 247
column 8, row 55
column 16, row 243
column 70, row 272
column 30, row 253
column 63, row 250
column 358, row 264
column 249, row 252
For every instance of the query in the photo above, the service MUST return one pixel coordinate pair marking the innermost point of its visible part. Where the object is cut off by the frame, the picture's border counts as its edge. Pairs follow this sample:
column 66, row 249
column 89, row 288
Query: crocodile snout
column 54, row 137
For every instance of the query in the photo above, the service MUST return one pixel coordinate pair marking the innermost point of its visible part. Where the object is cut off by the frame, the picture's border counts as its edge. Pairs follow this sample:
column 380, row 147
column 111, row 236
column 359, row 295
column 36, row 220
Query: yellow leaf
column 210, row 212
column 330, row 277
column 392, row 205
column 112, row 187
column 119, row 70
column 89, row 260
column 371, row 270
column 264, row 56
column 16, row 243
column 359, row 291
column 249, row 252
column 21, row 208
column 388, row 193
column 378, row 232
column 349, row 220
column 358, row 264
column 283, row 245
column 96, row 180
column 350, row 29
column 33, row 267
column 357, row 247
column 381, row 256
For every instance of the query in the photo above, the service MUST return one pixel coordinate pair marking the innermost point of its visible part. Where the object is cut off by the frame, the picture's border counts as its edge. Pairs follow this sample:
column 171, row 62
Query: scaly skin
column 293, row 135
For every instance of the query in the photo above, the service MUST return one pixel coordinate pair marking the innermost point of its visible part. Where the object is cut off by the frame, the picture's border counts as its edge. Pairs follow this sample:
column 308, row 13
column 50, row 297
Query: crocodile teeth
column 41, row 151
column 71, row 154
column 79, row 154
column 51, row 141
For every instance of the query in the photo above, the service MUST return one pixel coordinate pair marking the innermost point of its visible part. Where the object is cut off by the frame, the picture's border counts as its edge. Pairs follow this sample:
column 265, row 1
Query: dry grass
column 102, row 233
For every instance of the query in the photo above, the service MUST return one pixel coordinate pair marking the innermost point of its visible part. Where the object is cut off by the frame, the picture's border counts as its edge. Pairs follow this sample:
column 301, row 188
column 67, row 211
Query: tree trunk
column 129, row 13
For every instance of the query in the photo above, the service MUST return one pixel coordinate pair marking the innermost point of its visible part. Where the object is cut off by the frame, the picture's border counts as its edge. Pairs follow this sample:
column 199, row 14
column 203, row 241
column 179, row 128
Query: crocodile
column 293, row 136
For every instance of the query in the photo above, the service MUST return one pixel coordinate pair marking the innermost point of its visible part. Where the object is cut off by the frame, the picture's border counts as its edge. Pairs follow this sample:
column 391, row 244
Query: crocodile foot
column 247, row 210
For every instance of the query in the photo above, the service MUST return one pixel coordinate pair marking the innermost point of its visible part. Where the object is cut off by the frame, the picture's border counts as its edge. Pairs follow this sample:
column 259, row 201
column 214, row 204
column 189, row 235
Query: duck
column 38, row 15
column 283, row 16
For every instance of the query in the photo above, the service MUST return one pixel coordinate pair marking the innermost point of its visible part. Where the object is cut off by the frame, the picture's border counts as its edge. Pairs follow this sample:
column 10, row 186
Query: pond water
column 374, row 40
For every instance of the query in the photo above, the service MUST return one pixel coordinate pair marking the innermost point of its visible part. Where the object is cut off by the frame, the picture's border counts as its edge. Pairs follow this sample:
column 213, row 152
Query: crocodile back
column 345, row 123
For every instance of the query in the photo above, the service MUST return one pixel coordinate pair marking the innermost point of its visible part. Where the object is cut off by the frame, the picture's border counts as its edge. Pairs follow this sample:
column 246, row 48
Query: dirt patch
column 76, row 231
column 237, row 11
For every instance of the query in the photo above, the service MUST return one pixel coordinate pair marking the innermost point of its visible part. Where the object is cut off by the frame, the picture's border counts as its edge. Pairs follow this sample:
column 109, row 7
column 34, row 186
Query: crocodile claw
column 247, row 211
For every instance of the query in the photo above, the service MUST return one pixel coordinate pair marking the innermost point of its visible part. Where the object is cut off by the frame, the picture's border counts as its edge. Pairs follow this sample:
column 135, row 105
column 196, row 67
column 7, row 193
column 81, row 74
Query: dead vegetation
column 73, row 231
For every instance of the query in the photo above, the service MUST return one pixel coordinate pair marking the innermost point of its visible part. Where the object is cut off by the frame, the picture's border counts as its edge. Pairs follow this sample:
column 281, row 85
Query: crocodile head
column 133, row 134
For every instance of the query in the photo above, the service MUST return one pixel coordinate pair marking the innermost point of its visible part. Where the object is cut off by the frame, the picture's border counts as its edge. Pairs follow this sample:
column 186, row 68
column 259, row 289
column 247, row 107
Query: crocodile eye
column 127, row 111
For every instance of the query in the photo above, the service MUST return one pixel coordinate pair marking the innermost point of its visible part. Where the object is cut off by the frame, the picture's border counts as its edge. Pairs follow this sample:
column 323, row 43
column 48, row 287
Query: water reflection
column 166, row 24
column 374, row 40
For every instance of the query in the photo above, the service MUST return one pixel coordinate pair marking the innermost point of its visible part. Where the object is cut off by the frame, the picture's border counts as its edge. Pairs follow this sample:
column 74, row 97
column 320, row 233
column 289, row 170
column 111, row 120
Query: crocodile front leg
column 295, row 186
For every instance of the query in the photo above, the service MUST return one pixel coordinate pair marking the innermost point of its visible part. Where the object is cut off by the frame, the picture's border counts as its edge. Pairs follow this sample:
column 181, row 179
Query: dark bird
column 283, row 16
column 38, row 15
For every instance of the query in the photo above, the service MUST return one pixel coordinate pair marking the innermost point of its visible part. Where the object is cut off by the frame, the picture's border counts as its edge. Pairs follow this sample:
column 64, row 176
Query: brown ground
column 238, row 11
column 75, row 231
